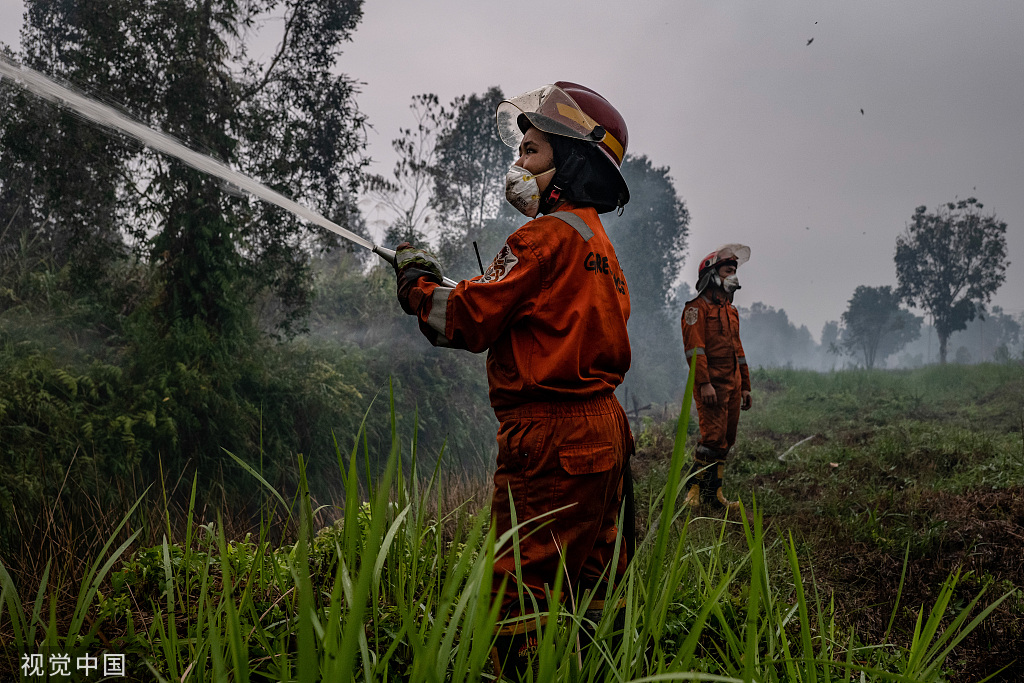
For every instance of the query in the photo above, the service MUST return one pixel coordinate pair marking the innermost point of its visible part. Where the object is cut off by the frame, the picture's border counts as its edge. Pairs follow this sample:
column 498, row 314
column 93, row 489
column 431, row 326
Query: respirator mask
column 729, row 284
column 522, row 191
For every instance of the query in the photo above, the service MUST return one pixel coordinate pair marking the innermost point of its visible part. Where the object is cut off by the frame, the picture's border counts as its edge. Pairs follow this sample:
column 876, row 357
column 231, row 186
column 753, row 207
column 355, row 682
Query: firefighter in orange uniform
column 551, row 312
column 721, row 387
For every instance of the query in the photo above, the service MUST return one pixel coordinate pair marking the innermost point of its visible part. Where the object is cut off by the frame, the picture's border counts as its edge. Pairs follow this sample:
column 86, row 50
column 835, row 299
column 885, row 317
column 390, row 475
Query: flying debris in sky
column 810, row 41
column 861, row 112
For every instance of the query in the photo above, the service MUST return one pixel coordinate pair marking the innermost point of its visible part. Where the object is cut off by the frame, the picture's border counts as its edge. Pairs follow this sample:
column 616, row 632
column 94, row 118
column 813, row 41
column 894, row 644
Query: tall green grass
column 400, row 589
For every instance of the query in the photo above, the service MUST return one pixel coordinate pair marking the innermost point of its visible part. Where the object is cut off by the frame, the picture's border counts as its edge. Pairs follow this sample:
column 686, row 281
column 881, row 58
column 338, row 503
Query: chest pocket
column 713, row 321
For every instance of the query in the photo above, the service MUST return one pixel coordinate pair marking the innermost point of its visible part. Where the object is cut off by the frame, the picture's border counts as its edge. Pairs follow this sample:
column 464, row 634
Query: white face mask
column 730, row 284
column 522, row 191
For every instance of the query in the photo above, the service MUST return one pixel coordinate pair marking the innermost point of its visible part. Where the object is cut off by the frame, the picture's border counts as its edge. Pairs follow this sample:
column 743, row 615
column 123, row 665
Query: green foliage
column 406, row 195
column 876, row 326
column 85, row 198
column 650, row 239
column 58, row 425
column 469, row 172
column 951, row 262
column 444, row 392
column 880, row 468
column 993, row 336
column 803, row 402
column 92, row 401
column 772, row 340
column 896, row 459
column 385, row 595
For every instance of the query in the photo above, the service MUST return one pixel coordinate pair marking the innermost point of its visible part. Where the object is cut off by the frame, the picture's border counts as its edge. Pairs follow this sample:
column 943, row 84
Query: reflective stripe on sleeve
column 696, row 350
column 743, row 360
column 439, row 309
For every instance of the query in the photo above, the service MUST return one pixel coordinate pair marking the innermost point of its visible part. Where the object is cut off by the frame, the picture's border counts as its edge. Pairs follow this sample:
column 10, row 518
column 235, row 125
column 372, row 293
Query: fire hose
column 106, row 116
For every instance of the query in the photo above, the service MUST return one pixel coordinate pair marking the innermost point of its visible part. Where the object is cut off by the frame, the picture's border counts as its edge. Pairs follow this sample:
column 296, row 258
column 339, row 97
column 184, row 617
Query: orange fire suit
column 551, row 311
column 711, row 332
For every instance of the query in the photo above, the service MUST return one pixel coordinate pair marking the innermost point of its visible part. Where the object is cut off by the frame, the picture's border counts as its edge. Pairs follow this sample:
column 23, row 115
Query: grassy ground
column 902, row 481
column 925, row 466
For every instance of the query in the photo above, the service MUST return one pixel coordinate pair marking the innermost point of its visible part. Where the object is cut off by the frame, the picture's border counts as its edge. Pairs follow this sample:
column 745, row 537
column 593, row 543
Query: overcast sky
column 763, row 132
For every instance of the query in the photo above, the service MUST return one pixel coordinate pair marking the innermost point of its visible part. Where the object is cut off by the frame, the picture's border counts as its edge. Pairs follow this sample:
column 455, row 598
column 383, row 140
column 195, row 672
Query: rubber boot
column 696, row 480
column 700, row 476
column 612, row 643
column 712, row 495
column 593, row 616
column 514, row 656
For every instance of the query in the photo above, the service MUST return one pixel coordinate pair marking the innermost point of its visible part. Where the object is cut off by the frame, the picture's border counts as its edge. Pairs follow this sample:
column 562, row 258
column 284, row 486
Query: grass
column 925, row 465
column 393, row 583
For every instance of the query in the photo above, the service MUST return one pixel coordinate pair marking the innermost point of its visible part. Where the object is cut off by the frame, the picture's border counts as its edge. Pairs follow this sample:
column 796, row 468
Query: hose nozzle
column 389, row 256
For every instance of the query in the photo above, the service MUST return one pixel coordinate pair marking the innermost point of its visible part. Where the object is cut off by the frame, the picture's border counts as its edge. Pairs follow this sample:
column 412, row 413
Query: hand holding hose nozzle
column 411, row 264
column 390, row 255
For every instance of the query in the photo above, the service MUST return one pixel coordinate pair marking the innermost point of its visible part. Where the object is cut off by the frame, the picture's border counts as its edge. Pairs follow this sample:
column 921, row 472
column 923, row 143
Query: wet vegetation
column 226, row 454
column 896, row 480
column 885, row 544
column 96, row 405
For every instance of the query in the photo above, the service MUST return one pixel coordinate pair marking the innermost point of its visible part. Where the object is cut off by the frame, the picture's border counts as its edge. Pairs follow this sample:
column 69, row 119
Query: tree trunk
column 943, row 338
column 869, row 355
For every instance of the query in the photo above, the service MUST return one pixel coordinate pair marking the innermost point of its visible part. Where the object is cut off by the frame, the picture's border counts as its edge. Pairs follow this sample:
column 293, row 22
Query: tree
column 59, row 180
column 875, row 326
column 469, row 174
column 407, row 195
column 990, row 336
column 950, row 263
column 830, row 336
column 650, row 242
column 829, row 348
column 650, row 235
column 182, row 66
column 770, row 339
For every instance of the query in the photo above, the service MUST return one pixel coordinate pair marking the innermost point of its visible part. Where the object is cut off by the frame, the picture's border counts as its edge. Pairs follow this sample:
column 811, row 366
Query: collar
column 564, row 205
column 714, row 295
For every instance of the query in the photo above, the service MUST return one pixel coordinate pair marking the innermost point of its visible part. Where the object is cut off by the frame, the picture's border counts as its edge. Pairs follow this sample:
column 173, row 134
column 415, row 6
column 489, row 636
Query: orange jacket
column 551, row 311
column 711, row 331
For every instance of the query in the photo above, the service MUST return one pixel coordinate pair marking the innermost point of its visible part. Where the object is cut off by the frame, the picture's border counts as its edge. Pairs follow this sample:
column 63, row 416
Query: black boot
column 611, row 643
column 694, row 484
column 697, row 480
column 712, row 495
column 514, row 656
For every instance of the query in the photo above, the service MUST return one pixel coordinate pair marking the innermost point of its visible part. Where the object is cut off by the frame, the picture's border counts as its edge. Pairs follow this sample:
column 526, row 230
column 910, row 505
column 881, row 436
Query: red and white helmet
column 572, row 111
column 735, row 254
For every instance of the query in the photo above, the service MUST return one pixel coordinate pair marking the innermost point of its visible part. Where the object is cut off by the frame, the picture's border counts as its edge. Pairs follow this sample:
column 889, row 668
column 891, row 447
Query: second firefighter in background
column 721, row 387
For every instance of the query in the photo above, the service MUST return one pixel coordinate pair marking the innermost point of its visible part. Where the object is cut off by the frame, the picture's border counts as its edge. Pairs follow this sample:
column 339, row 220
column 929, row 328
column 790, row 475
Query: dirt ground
column 982, row 535
column 979, row 533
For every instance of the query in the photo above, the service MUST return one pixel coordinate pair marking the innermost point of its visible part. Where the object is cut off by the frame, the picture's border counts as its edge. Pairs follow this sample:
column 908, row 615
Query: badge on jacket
column 690, row 316
column 500, row 266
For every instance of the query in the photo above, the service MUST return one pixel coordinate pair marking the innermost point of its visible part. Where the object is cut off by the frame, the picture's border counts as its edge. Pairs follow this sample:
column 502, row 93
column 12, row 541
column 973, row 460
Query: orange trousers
column 718, row 423
column 553, row 455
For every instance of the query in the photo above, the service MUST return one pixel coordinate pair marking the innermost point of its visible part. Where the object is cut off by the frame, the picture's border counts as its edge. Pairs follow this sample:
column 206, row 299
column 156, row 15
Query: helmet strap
column 565, row 170
column 551, row 198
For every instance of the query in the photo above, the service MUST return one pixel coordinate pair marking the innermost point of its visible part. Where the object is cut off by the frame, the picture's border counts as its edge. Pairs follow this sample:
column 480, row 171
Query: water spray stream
column 106, row 116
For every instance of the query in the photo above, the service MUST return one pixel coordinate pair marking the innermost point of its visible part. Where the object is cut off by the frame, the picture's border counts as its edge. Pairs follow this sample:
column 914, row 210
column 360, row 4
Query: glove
column 410, row 265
